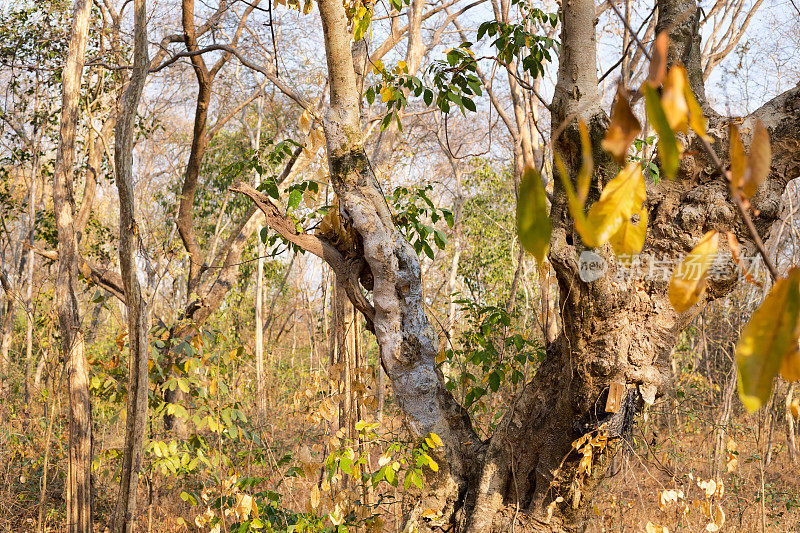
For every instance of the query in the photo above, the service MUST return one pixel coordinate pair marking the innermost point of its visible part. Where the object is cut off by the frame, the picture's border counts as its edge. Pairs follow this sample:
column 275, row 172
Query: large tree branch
column 104, row 277
column 346, row 270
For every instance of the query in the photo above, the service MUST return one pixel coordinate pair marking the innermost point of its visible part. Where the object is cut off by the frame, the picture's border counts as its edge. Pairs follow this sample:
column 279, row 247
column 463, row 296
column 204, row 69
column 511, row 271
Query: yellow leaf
column 533, row 221
column 621, row 198
column 738, row 160
column 436, row 439
column 688, row 281
column 673, row 99
column 623, row 127
column 403, row 66
column 759, row 161
column 697, row 120
column 658, row 60
column 769, row 337
column 386, row 93
column 790, row 368
column 377, row 67
column 429, row 514
column 575, row 205
column 629, row 238
column 794, row 408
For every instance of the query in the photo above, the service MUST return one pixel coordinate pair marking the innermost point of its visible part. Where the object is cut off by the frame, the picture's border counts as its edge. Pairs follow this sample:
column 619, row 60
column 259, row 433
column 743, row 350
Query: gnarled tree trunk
column 614, row 331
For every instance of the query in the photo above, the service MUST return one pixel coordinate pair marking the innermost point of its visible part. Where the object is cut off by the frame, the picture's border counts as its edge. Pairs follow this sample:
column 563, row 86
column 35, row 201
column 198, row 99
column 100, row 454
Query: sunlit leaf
column 621, row 198
column 668, row 150
column 533, row 221
column 573, row 203
column 790, row 368
column 361, row 22
column 673, row 99
column 769, row 337
column 623, row 127
column 759, row 161
column 629, row 238
column 697, row 120
column 688, row 281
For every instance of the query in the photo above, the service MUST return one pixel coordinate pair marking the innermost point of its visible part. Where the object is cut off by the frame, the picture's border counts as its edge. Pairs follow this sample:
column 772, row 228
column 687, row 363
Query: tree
column 79, row 484
column 613, row 332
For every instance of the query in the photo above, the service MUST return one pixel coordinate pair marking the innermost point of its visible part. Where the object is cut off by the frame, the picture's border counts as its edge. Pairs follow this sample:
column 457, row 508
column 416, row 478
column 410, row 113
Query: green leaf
column 668, row 151
column 294, row 199
column 769, row 337
column 361, row 22
column 533, row 221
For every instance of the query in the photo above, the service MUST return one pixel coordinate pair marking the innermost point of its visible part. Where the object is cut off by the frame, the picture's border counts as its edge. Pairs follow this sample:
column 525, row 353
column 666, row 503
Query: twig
column 773, row 272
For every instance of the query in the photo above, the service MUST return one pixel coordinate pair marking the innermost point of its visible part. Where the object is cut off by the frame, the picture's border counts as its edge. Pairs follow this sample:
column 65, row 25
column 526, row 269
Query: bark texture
column 79, row 482
column 137, row 306
column 613, row 331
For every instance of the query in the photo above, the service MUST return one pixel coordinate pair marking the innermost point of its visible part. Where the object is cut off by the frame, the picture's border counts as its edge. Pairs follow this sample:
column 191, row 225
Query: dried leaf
column 688, row 281
column 623, row 127
column 738, row 160
column 652, row 528
column 533, row 221
column 794, row 408
column 315, row 496
column 718, row 518
column 759, row 161
column 658, row 60
column 668, row 149
column 304, row 122
column 769, row 337
column 697, row 120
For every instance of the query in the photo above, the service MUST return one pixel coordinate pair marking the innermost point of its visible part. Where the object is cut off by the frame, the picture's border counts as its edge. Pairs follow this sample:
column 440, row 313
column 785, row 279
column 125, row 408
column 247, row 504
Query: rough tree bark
column 79, row 482
column 137, row 306
column 612, row 331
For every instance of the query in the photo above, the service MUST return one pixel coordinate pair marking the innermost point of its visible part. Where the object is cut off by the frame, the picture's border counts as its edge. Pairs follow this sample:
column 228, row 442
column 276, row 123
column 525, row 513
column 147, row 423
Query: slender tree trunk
column 720, row 446
column 259, row 332
column 790, row 431
column 137, row 307
column 79, row 481
column 29, row 285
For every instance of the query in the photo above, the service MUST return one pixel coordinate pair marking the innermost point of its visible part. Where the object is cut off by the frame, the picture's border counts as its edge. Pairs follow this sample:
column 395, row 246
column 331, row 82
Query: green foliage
column 492, row 353
column 413, row 210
